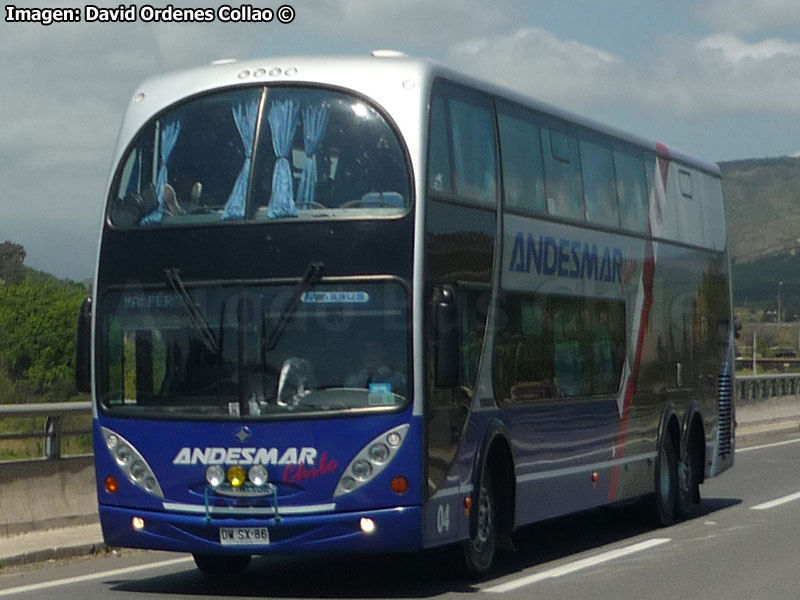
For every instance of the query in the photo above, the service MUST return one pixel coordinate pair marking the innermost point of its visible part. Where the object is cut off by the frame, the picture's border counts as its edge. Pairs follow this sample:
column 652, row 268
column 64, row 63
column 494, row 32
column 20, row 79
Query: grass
column 33, row 447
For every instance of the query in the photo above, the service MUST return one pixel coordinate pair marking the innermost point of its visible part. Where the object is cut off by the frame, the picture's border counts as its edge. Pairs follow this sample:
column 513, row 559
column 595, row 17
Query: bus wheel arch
column 492, row 513
column 692, row 465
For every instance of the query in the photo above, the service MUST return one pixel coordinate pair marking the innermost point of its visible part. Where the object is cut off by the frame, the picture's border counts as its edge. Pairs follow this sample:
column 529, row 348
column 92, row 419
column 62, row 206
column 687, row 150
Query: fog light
column 112, row 485
column 215, row 475
column 237, row 476
column 367, row 526
column 138, row 523
column 258, row 475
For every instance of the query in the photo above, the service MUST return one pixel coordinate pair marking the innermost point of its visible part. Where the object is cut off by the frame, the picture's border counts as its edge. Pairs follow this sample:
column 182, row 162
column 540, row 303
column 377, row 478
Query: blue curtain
column 245, row 114
column 283, row 118
column 315, row 120
column 170, row 130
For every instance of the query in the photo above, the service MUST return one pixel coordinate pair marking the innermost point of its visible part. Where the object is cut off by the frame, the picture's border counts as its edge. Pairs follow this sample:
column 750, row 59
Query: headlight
column 371, row 460
column 131, row 462
column 361, row 469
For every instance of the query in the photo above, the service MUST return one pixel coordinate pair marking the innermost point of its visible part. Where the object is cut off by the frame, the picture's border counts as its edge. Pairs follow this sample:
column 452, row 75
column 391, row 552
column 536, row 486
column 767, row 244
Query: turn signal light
column 112, row 485
column 399, row 485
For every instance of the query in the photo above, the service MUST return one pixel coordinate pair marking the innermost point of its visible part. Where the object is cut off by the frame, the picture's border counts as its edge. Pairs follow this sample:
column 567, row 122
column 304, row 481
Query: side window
column 472, row 139
column 521, row 152
column 686, row 183
column 562, row 172
column 599, row 188
column 439, row 164
column 631, row 190
column 555, row 347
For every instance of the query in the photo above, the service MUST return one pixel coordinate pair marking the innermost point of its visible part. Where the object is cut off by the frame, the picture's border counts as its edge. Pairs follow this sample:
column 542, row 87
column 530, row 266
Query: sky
column 719, row 79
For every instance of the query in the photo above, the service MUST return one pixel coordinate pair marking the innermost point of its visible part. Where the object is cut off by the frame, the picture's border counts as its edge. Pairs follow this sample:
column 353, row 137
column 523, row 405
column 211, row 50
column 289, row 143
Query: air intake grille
column 724, row 414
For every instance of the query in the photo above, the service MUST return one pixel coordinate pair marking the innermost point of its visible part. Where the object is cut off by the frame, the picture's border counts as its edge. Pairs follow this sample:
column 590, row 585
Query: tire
column 666, row 482
column 479, row 551
column 688, row 484
column 217, row 565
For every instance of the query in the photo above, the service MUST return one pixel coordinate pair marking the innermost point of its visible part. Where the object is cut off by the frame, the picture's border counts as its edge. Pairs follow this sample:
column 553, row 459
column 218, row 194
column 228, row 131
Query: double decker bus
column 359, row 304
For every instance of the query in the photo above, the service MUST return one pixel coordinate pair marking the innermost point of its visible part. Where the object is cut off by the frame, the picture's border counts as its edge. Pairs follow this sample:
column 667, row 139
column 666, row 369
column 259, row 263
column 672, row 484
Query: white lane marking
column 35, row 587
column 777, row 502
column 576, row 566
column 751, row 448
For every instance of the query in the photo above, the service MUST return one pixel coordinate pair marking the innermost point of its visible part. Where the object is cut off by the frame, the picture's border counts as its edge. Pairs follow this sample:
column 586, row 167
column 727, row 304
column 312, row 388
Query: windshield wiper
column 195, row 314
column 312, row 275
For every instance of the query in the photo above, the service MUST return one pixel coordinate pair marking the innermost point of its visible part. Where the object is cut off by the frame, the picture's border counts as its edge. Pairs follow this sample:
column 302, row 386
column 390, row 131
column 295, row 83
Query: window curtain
column 169, row 137
column 283, row 118
column 315, row 121
column 245, row 114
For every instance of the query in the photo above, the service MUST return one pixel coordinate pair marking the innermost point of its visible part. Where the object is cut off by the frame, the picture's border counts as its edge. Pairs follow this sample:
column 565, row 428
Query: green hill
column 762, row 202
column 38, row 317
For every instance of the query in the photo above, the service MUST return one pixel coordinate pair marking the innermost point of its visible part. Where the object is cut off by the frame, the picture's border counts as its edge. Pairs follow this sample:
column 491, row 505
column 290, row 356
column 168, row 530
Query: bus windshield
column 257, row 351
column 260, row 154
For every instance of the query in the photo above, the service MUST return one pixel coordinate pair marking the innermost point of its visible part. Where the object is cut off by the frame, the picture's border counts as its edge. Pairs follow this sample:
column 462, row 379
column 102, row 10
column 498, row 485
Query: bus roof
column 364, row 74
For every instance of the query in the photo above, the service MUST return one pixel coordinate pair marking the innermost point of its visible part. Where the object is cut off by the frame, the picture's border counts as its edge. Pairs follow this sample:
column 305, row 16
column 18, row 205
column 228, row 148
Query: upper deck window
column 260, row 154
column 462, row 158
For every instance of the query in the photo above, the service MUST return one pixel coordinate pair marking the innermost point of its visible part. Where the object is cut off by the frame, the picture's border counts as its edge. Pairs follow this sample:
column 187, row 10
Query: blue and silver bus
column 359, row 304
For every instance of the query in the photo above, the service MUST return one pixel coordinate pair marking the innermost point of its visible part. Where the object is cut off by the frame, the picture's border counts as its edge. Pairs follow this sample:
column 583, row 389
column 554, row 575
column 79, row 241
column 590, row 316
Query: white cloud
column 537, row 62
column 733, row 49
column 750, row 16
column 413, row 26
column 721, row 72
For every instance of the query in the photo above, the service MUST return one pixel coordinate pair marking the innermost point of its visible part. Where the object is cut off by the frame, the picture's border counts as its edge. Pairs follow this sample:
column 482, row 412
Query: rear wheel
column 215, row 565
column 479, row 550
column 688, row 482
column 666, row 482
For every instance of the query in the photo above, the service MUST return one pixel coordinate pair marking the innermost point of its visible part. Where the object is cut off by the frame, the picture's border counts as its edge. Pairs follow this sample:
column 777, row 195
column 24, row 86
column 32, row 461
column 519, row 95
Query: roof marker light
column 389, row 54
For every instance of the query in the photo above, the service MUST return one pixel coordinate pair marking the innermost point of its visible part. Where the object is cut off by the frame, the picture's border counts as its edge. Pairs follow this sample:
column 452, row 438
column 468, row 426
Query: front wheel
column 214, row 565
column 480, row 549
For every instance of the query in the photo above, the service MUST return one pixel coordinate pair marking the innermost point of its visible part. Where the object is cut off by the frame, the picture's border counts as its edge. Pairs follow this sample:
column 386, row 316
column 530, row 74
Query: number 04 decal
column 443, row 518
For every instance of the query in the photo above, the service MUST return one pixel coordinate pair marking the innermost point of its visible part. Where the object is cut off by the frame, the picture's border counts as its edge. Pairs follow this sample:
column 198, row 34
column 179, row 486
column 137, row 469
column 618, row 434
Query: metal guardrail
column 761, row 387
column 53, row 432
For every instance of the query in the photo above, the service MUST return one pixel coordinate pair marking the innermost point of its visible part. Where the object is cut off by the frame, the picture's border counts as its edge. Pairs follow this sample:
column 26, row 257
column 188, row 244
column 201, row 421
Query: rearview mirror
column 446, row 338
column 83, row 350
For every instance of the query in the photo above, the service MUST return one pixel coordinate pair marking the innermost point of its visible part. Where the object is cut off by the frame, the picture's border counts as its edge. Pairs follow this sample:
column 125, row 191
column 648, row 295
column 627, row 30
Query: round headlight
column 258, row 475
column 215, row 475
column 348, row 483
column 138, row 470
column 150, row 484
column 237, row 476
column 124, row 454
column 112, row 441
column 361, row 470
column 379, row 453
column 394, row 439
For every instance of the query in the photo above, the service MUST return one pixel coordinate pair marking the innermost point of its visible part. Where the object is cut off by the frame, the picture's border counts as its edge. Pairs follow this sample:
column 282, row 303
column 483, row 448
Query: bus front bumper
column 396, row 529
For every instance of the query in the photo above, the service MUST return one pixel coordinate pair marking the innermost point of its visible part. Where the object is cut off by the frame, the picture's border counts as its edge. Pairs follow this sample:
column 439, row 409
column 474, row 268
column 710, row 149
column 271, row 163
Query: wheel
column 666, row 482
column 688, row 484
column 216, row 565
column 479, row 551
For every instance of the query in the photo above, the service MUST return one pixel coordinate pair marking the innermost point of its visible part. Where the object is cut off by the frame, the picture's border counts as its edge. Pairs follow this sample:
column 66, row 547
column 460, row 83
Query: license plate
column 243, row 536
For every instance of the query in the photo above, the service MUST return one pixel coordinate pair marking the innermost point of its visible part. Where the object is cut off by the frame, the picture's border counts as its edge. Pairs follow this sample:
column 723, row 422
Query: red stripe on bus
column 648, row 276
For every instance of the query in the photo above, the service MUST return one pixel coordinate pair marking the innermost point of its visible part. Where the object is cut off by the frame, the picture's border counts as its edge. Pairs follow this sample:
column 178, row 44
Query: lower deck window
column 559, row 347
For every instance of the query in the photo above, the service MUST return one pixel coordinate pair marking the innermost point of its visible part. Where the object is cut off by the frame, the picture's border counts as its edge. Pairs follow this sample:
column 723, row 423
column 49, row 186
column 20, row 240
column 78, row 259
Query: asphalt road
column 741, row 544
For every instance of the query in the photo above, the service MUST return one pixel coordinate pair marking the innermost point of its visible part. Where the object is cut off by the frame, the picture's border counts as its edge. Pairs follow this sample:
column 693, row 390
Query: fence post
column 52, row 440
